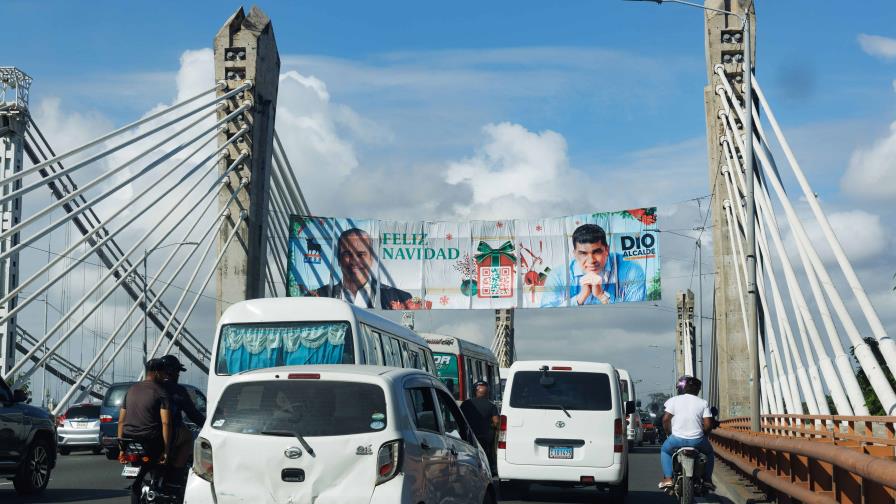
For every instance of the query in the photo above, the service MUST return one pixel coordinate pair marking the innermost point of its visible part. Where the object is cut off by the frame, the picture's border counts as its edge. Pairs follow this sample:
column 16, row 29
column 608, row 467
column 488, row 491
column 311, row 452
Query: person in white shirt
column 688, row 420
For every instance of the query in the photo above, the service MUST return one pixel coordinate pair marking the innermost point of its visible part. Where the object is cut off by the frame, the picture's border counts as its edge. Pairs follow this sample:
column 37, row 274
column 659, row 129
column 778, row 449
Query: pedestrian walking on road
column 482, row 415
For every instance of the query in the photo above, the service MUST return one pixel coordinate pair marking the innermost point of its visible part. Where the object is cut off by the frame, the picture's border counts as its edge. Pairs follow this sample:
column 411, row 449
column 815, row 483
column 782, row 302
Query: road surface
column 85, row 478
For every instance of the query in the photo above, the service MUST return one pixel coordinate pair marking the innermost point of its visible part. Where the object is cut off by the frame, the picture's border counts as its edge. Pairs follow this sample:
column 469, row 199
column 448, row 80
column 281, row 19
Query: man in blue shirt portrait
column 596, row 275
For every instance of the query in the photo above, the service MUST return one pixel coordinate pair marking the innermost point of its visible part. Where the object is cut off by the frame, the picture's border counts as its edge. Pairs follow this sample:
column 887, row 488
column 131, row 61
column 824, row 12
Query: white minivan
column 337, row 434
column 634, row 431
column 562, row 424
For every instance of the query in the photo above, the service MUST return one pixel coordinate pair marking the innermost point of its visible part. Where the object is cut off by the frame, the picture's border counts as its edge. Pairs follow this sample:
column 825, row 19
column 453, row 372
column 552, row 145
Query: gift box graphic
column 495, row 270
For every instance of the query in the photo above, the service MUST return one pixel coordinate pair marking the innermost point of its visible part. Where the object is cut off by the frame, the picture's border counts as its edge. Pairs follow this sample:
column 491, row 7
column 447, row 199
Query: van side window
column 415, row 357
column 454, row 422
column 405, row 353
column 490, row 379
column 424, row 409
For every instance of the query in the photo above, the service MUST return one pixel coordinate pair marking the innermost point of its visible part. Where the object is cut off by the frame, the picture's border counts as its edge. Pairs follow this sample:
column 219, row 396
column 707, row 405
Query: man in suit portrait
column 356, row 257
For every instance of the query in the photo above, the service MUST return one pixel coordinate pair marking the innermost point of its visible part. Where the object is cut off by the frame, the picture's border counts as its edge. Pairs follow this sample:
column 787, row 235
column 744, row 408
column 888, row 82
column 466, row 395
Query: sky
column 593, row 105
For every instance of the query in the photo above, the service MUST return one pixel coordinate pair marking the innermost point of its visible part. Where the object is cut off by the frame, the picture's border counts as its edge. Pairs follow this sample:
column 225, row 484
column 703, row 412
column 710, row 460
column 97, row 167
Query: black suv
column 27, row 442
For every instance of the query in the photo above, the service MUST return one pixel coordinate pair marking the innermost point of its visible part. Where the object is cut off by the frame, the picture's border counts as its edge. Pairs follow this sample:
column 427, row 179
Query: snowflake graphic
column 499, row 225
column 578, row 223
column 449, row 236
column 443, row 300
column 539, row 228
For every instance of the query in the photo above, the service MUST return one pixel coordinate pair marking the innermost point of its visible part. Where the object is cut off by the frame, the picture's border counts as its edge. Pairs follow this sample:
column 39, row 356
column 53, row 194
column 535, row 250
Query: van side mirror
column 19, row 395
column 638, row 404
column 629, row 407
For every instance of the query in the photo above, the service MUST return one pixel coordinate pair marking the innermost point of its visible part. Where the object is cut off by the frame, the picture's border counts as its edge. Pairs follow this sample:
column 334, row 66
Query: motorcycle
column 154, row 482
column 688, row 468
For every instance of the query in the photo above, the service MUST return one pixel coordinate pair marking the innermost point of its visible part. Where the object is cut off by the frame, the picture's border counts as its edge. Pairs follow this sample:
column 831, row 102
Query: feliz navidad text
column 413, row 247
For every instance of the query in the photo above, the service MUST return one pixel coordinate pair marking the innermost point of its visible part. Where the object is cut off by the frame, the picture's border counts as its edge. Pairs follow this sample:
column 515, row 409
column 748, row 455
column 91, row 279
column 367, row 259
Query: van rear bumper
column 569, row 474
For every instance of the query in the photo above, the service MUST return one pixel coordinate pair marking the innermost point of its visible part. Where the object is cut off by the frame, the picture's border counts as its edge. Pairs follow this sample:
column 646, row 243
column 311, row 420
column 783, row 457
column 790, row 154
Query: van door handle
column 425, row 445
column 453, row 450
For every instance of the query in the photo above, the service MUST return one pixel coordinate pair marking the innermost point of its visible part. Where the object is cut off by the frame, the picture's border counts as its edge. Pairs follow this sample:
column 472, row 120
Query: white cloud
column 520, row 173
column 66, row 129
column 875, row 45
column 872, row 170
column 861, row 233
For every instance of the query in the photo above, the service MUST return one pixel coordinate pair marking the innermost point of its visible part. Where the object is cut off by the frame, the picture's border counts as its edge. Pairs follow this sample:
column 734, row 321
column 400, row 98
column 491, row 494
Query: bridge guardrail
column 815, row 458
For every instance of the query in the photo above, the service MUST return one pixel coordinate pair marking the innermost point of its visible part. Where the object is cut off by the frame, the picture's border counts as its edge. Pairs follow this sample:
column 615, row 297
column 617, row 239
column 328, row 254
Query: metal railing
column 815, row 458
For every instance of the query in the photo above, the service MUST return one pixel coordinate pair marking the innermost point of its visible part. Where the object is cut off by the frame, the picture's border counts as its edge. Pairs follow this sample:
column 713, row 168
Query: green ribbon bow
column 485, row 251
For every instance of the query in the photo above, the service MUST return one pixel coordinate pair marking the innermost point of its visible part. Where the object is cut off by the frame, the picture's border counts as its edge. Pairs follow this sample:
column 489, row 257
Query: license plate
column 560, row 452
column 130, row 472
column 79, row 425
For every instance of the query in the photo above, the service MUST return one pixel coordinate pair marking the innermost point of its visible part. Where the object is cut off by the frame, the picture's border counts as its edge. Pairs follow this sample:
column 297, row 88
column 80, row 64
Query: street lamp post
column 750, row 224
column 146, row 284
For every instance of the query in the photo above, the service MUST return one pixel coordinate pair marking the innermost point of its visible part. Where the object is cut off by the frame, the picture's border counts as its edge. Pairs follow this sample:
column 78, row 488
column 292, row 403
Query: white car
column 562, row 424
column 634, row 430
column 337, row 434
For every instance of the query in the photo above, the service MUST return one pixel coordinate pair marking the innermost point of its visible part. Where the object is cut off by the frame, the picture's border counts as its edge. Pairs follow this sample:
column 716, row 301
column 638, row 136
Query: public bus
column 271, row 332
column 460, row 364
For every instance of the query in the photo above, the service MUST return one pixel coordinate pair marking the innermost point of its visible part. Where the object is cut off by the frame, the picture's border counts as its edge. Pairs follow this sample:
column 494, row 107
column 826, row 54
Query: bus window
column 244, row 347
column 490, row 379
column 468, row 377
column 393, row 347
column 446, row 370
column 405, row 353
column 374, row 351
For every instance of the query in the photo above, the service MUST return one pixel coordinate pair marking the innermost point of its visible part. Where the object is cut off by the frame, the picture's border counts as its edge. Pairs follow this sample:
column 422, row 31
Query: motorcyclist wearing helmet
column 145, row 414
column 169, row 370
column 687, row 421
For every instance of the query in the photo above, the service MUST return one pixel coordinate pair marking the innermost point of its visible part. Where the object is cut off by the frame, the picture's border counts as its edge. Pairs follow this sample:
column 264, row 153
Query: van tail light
column 618, row 438
column 105, row 418
column 502, row 433
column 60, row 420
column 561, row 368
column 203, row 464
column 388, row 461
column 303, row 376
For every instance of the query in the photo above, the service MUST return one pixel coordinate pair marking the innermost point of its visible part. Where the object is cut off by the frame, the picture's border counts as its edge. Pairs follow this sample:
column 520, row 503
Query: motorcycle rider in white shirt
column 687, row 420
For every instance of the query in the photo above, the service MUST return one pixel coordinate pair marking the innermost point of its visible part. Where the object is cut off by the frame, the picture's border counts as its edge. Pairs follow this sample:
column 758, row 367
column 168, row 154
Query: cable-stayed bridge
column 199, row 193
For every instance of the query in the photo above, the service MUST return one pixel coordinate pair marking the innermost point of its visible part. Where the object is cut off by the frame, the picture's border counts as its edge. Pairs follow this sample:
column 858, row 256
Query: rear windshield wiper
column 553, row 406
column 294, row 434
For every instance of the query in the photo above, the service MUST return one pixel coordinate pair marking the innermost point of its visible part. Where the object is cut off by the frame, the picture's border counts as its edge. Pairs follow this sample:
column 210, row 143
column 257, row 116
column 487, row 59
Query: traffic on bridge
column 436, row 254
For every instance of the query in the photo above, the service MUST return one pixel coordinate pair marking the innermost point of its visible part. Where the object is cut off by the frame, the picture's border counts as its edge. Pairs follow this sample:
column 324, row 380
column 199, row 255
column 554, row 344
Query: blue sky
column 417, row 89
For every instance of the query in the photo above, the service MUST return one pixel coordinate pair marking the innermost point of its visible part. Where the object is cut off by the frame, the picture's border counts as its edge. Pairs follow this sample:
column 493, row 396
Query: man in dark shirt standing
column 145, row 413
column 169, row 370
column 482, row 415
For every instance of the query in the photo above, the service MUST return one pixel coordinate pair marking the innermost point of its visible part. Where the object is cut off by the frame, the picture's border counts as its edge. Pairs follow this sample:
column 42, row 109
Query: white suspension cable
column 101, row 243
column 735, row 194
column 123, row 276
column 225, row 213
column 65, row 399
column 829, row 375
column 293, row 185
column 236, row 227
column 27, row 241
column 95, row 142
column 886, row 344
column 863, row 352
column 215, row 225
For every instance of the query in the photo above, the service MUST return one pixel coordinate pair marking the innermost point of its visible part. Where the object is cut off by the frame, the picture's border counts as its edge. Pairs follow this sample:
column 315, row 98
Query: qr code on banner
column 495, row 281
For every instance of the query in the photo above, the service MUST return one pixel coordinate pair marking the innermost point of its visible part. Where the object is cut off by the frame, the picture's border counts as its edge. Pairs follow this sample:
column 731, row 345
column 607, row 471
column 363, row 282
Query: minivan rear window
column 307, row 407
column 90, row 411
column 570, row 390
column 115, row 395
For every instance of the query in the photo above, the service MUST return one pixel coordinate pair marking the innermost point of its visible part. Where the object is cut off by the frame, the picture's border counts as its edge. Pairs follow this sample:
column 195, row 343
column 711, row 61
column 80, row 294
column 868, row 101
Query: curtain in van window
column 316, row 344
column 246, row 347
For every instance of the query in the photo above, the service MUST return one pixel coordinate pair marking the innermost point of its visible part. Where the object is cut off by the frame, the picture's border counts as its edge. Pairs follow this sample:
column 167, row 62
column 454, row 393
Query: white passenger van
column 562, row 424
column 634, row 431
column 461, row 363
column 334, row 434
column 271, row 332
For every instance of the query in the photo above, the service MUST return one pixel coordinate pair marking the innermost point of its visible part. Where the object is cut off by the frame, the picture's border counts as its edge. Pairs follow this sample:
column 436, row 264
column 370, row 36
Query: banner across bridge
column 579, row 260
